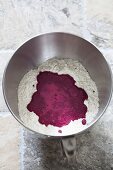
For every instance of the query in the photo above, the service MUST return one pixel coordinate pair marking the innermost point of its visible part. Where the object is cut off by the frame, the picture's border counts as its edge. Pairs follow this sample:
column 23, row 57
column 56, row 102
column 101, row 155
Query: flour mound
column 27, row 87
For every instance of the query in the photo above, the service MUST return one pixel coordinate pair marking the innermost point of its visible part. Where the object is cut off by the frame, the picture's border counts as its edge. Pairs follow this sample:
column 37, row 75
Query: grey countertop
column 21, row 20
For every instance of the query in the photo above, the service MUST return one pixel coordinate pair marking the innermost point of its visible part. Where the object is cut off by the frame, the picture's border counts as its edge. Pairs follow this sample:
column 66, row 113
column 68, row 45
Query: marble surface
column 21, row 20
column 9, row 141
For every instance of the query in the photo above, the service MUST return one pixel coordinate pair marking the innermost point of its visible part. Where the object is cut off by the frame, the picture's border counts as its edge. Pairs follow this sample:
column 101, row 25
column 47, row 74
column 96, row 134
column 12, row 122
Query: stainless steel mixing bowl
column 62, row 45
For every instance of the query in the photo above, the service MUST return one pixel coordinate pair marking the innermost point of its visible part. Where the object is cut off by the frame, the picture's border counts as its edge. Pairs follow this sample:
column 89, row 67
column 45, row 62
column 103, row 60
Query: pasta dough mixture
column 35, row 85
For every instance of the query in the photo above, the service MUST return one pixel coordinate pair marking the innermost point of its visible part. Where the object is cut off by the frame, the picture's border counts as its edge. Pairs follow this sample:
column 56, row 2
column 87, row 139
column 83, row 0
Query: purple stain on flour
column 58, row 101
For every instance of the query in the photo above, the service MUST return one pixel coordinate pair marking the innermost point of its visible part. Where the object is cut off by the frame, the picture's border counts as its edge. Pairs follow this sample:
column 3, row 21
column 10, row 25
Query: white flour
column 83, row 80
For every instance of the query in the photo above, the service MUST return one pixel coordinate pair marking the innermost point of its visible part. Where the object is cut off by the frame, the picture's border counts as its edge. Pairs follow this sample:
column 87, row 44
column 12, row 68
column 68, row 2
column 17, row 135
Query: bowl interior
column 62, row 45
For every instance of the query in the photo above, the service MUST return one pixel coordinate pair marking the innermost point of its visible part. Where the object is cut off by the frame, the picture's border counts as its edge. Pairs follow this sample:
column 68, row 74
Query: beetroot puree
column 58, row 100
